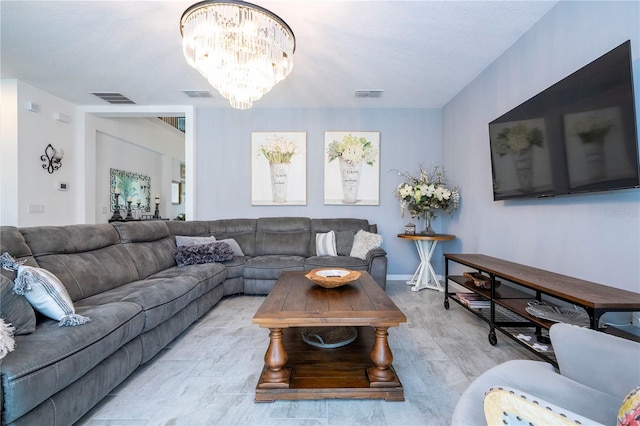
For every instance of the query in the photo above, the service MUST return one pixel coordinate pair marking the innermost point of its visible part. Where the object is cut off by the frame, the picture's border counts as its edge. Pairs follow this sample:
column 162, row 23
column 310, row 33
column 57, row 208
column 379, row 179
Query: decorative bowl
column 332, row 277
column 480, row 280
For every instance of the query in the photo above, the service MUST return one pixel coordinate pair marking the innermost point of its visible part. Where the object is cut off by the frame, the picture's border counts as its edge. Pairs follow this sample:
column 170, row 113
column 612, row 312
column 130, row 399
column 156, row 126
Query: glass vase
column 428, row 230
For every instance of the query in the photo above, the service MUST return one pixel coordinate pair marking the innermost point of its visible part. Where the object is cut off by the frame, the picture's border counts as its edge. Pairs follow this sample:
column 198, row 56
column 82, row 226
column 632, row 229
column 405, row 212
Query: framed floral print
column 278, row 168
column 352, row 168
column 128, row 186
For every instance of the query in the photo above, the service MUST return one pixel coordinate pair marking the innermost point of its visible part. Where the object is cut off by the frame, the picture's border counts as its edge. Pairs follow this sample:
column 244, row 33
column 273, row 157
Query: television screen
column 578, row 135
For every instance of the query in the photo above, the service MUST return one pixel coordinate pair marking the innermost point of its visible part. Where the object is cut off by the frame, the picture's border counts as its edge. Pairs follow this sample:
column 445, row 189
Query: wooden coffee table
column 296, row 370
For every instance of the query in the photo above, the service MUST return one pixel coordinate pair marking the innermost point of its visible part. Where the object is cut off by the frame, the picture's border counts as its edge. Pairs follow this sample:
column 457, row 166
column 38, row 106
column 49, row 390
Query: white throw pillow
column 237, row 251
column 7, row 343
column 326, row 244
column 364, row 242
column 47, row 295
column 183, row 240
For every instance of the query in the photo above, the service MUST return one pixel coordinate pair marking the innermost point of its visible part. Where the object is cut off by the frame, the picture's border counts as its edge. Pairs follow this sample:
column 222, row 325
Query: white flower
column 427, row 192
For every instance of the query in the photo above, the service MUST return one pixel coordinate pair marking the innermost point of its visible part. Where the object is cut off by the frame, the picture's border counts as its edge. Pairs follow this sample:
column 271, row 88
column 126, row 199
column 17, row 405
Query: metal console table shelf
column 522, row 285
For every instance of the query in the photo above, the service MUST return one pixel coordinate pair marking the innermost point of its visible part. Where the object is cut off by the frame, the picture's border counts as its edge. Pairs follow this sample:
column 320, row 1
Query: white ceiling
column 421, row 53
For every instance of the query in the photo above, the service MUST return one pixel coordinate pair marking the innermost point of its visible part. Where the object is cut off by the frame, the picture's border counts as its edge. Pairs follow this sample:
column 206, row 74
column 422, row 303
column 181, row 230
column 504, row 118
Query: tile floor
column 207, row 376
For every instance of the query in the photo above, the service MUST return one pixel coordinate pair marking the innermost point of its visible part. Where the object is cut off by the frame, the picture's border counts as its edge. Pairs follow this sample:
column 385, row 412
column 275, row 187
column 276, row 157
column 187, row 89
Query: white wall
column 223, row 160
column 595, row 237
column 25, row 135
column 139, row 145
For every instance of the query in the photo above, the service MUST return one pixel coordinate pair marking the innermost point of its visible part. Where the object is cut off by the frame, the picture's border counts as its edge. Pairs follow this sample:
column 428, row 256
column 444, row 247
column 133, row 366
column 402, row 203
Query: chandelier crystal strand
column 242, row 49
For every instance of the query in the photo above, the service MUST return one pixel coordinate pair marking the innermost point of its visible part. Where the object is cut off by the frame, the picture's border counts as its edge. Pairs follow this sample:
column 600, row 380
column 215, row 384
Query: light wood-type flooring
column 207, row 376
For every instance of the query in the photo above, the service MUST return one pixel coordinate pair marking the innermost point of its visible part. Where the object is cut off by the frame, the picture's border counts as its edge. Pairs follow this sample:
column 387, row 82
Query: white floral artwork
column 278, row 168
column 352, row 168
column 596, row 150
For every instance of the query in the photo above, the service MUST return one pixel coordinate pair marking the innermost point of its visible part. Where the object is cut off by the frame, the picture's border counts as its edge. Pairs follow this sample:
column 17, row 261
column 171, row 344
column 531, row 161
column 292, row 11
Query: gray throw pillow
column 237, row 251
column 15, row 309
column 216, row 251
column 344, row 242
column 183, row 240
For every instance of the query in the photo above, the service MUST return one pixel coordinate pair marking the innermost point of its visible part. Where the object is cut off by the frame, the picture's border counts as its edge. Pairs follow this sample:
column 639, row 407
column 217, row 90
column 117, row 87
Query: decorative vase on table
column 428, row 230
column 279, row 181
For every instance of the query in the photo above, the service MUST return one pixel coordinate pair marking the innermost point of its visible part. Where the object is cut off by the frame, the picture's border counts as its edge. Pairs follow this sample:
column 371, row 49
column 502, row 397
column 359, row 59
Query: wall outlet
column 35, row 209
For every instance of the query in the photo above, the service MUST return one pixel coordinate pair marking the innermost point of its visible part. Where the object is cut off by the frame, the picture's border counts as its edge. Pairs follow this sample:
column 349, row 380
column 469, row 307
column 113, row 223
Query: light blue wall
column 223, row 164
column 594, row 237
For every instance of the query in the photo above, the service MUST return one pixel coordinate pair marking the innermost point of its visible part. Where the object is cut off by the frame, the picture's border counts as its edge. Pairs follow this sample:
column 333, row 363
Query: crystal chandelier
column 242, row 49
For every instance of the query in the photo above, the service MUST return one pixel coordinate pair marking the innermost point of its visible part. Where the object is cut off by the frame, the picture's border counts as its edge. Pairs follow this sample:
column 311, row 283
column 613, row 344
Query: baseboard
column 399, row 277
column 407, row 277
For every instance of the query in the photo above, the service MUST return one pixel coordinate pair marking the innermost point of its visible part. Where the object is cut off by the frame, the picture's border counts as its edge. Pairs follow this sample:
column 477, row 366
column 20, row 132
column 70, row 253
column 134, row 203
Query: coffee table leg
column 274, row 374
column 382, row 373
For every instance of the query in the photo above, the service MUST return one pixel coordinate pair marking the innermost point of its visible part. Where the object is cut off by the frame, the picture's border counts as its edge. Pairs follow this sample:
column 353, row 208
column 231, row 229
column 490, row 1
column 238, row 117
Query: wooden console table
column 506, row 310
column 425, row 276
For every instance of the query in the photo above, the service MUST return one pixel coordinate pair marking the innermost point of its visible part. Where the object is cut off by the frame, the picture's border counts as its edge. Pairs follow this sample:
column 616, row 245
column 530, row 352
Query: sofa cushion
column 148, row 244
column 164, row 294
column 87, row 259
column 15, row 309
column 54, row 357
column 326, row 244
column 191, row 227
column 202, row 253
column 12, row 242
column 241, row 230
column 347, row 262
column 283, row 236
column 235, row 266
column 270, row 267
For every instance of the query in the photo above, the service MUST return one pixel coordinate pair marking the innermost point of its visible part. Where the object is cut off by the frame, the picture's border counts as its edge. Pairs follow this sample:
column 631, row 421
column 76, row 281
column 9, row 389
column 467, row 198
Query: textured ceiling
column 421, row 53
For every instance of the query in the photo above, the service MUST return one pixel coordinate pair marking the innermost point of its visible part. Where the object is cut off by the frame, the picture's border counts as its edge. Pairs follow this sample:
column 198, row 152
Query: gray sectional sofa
column 124, row 277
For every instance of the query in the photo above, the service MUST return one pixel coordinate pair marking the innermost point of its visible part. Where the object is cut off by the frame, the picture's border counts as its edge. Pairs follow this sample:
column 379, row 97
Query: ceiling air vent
column 369, row 93
column 197, row 93
column 113, row 98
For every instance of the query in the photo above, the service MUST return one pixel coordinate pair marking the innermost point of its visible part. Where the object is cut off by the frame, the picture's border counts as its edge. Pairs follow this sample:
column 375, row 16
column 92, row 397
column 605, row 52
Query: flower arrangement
column 427, row 192
column 593, row 129
column 278, row 150
column 352, row 149
column 518, row 139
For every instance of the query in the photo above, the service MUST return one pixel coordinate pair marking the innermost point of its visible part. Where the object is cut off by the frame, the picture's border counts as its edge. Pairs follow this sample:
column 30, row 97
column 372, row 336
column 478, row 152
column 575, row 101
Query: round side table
column 425, row 276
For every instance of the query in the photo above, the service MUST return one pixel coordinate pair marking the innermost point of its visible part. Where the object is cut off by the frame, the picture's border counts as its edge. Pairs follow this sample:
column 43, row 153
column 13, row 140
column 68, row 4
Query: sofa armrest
column 581, row 352
column 511, row 406
column 377, row 259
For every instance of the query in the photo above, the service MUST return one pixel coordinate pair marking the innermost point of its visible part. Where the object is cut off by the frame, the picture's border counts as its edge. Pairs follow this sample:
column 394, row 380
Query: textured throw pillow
column 183, row 240
column 15, row 309
column 364, row 242
column 326, row 244
column 7, row 344
column 44, row 291
column 237, row 251
column 629, row 413
column 344, row 242
column 216, row 251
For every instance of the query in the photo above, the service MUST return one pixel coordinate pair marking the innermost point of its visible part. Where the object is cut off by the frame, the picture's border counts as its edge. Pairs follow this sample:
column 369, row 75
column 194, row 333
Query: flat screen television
column 579, row 135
